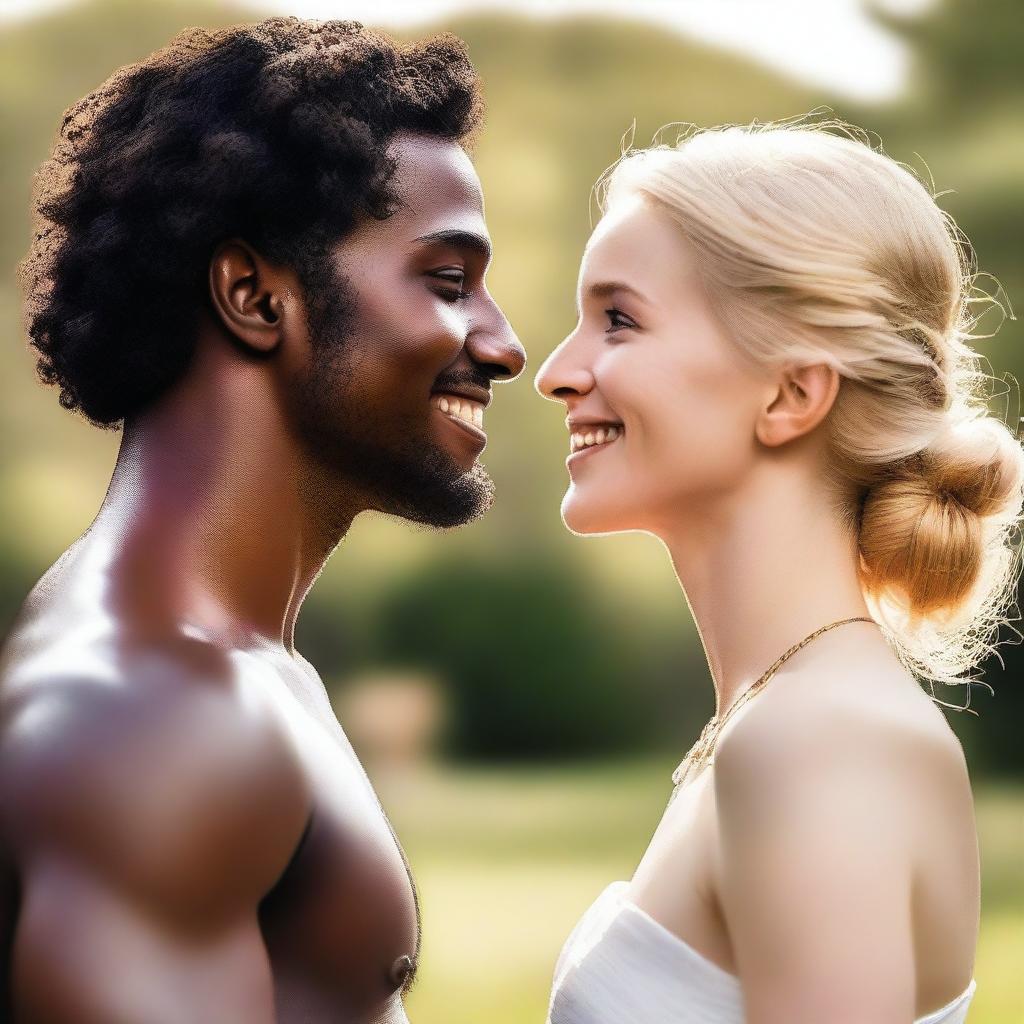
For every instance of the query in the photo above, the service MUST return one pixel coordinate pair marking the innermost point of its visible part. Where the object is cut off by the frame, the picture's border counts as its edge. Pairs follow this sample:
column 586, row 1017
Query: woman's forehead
column 637, row 243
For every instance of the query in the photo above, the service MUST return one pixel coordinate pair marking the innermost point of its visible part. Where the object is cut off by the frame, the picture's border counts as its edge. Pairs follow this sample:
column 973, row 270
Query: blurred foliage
column 546, row 646
column 537, row 663
column 969, row 55
column 534, row 662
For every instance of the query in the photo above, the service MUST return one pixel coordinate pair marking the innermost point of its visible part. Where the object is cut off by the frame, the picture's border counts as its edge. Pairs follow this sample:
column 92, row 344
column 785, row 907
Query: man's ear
column 799, row 401
column 248, row 294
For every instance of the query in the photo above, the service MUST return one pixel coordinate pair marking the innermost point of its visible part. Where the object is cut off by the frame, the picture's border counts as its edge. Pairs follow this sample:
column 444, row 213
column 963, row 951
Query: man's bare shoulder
column 156, row 763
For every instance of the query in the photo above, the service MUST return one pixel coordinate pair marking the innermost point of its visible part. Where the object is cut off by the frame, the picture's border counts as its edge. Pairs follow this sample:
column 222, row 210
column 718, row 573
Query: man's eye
column 617, row 319
column 455, row 277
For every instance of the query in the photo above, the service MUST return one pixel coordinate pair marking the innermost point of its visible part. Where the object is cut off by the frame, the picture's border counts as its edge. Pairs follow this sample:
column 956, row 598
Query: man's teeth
column 585, row 438
column 460, row 409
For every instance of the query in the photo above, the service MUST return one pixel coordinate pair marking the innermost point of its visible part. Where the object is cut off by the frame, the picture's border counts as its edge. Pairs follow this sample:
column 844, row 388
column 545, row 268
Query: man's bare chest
column 342, row 922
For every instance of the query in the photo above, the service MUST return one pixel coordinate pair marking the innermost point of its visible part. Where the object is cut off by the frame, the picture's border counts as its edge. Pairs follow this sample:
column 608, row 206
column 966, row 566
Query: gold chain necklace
column 699, row 755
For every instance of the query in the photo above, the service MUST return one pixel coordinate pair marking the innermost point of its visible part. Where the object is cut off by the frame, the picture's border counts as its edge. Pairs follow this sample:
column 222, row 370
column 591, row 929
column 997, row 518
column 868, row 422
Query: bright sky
column 830, row 43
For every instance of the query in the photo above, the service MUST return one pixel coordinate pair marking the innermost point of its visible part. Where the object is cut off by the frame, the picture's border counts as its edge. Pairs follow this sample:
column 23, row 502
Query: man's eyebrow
column 603, row 289
column 461, row 240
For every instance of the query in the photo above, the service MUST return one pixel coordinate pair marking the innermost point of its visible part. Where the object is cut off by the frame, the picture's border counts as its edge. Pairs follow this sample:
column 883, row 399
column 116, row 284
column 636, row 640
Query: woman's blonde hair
column 816, row 247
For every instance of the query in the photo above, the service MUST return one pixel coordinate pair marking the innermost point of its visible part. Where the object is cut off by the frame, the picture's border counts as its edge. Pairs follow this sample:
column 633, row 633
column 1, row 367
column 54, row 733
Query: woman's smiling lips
column 590, row 436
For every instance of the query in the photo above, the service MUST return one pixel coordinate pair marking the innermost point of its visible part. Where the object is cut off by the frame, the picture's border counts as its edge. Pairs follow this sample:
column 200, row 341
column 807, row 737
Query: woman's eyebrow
column 458, row 239
column 604, row 289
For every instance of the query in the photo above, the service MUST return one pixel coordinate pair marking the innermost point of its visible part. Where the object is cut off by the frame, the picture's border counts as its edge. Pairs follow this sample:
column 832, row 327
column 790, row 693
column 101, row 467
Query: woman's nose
column 559, row 375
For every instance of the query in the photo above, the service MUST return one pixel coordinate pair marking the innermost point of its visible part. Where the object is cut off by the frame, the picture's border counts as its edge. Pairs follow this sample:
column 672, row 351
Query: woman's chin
column 583, row 517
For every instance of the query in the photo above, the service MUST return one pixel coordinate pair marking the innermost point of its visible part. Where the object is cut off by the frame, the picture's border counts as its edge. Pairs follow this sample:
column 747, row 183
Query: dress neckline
column 618, row 889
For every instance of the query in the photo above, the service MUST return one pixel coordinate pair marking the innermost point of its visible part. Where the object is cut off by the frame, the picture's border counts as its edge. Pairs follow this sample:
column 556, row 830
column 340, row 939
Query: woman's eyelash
column 618, row 319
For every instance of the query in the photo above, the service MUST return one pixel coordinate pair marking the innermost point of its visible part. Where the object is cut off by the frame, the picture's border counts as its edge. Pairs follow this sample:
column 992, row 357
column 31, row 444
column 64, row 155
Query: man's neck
column 206, row 518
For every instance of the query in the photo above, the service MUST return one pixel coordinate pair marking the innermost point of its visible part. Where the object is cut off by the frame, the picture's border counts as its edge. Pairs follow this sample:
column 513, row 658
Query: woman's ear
column 248, row 294
column 800, row 399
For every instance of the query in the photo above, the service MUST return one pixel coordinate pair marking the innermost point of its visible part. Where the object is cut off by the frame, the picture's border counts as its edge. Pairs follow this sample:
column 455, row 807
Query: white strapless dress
column 620, row 966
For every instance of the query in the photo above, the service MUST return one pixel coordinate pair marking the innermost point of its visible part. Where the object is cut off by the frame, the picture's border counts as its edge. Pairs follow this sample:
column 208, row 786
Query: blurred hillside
column 585, row 647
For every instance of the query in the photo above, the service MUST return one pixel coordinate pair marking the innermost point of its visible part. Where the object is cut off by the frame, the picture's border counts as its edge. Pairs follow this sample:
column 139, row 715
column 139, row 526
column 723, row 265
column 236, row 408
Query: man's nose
column 497, row 349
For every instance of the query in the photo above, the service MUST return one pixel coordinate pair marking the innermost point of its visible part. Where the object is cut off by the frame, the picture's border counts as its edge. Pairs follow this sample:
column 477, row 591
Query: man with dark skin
column 186, row 836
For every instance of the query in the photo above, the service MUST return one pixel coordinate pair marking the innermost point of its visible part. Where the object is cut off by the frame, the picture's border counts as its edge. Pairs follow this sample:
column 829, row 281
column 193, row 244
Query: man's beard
column 393, row 467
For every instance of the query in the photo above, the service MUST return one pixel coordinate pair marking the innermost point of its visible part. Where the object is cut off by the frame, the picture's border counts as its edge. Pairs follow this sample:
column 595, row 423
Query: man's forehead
column 439, row 193
column 435, row 176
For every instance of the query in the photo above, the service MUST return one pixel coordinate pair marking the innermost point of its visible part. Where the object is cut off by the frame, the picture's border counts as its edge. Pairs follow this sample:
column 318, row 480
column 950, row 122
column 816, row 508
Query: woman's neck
column 762, row 569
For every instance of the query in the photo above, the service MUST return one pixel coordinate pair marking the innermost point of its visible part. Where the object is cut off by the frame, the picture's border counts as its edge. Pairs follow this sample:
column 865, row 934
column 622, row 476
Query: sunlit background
column 520, row 696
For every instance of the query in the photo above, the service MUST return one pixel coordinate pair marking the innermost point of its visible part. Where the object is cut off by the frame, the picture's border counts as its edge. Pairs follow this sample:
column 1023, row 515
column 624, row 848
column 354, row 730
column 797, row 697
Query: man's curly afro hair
column 275, row 132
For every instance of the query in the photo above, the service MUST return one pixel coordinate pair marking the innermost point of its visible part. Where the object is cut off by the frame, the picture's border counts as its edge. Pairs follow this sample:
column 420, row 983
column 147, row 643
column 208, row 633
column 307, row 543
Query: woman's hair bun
column 976, row 461
column 922, row 529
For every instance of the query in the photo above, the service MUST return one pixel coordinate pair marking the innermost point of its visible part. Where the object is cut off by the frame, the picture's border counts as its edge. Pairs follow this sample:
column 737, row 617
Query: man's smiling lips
column 466, row 414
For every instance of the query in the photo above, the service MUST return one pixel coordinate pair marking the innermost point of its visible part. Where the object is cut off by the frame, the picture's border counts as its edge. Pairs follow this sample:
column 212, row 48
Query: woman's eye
column 617, row 319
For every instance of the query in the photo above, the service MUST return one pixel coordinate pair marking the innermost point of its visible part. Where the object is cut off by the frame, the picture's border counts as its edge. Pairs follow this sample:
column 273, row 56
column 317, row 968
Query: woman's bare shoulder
column 875, row 706
column 871, row 738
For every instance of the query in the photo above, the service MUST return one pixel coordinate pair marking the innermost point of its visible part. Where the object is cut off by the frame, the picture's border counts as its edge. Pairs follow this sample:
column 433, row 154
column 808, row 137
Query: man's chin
column 444, row 502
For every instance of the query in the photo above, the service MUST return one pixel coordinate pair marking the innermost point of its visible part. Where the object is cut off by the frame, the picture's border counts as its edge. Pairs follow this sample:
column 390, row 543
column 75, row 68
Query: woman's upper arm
column 816, row 869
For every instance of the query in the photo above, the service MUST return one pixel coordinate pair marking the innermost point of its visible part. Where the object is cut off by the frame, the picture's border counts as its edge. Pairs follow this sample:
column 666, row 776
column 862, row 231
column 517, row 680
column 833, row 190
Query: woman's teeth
column 460, row 409
column 585, row 438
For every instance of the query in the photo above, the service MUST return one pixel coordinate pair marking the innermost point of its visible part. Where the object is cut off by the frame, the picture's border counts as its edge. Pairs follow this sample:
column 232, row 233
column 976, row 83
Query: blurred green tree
column 537, row 662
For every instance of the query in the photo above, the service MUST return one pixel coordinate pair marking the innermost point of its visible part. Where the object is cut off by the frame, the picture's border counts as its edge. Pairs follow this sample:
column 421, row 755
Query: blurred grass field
column 507, row 859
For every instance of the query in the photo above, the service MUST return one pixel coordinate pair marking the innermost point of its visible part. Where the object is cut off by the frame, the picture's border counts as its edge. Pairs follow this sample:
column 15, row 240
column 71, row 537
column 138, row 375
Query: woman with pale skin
column 772, row 374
